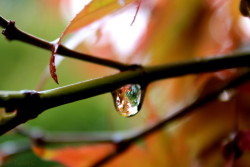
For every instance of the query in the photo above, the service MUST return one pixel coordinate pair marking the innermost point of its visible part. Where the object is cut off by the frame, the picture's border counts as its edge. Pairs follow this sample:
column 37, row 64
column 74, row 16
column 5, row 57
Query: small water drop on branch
column 226, row 95
column 128, row 99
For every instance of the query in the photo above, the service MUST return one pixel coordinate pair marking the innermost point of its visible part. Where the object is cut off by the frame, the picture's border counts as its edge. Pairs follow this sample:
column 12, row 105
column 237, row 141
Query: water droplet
column 226, row 95
column 128, row 99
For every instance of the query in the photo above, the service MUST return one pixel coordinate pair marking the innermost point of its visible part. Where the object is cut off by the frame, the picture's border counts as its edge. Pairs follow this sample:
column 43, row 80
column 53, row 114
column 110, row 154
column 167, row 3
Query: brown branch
column 11, row 32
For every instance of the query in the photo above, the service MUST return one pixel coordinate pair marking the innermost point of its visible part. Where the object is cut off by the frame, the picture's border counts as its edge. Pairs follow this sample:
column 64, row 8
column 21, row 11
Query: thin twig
column 74, row 137
column 11, row 32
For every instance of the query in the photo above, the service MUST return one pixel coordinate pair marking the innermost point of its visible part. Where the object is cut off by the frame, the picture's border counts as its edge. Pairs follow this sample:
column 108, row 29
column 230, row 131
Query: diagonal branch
column 29, row 104
column 74, row 137
column 11, row 32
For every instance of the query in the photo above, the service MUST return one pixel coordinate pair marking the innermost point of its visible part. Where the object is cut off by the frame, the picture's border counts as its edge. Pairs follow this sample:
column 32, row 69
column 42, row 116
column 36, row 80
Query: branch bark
column 30, row 104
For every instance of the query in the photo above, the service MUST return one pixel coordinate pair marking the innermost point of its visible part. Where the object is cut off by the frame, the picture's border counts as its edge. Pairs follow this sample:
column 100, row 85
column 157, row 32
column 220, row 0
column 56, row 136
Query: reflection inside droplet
column 127, row 99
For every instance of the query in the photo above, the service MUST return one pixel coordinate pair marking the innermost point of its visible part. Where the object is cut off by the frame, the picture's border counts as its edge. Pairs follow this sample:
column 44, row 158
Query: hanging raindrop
column 128, row 99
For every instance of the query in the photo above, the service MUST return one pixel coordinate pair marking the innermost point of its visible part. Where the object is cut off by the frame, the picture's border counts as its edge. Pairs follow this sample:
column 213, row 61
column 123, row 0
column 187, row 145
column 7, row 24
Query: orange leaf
column 52, row 65
column 152, row 152
column 95, row 10
column 75, row 156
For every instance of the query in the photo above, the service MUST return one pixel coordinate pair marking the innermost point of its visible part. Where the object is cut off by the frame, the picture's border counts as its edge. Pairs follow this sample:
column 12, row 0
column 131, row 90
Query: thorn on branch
column 28, row 108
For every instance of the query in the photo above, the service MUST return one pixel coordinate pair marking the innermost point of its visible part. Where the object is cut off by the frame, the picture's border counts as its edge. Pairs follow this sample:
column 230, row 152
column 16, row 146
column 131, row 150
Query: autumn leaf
column 52, row 65
column 93, row 11
column 150, row 153
column 244, row 140
column 83, row 156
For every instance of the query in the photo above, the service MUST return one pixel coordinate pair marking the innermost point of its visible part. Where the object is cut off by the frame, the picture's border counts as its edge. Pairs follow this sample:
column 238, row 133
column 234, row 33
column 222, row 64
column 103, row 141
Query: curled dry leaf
column 52, row 65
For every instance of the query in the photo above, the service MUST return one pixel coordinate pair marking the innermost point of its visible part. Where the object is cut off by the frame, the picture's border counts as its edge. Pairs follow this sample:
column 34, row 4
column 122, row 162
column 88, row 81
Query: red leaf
column 244, row 140
column 92, row 12
column 75, row 156
column 52, row 65
column 239, row 144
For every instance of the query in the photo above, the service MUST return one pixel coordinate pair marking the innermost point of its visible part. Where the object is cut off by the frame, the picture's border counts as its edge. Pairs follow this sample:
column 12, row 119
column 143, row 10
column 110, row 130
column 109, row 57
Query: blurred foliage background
column 170, row 31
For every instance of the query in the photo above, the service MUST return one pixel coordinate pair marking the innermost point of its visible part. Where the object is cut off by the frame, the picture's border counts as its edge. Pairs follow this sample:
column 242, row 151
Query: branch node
column 32, row 106
column 134, row 67
column 10, row 30
column 30, row 93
